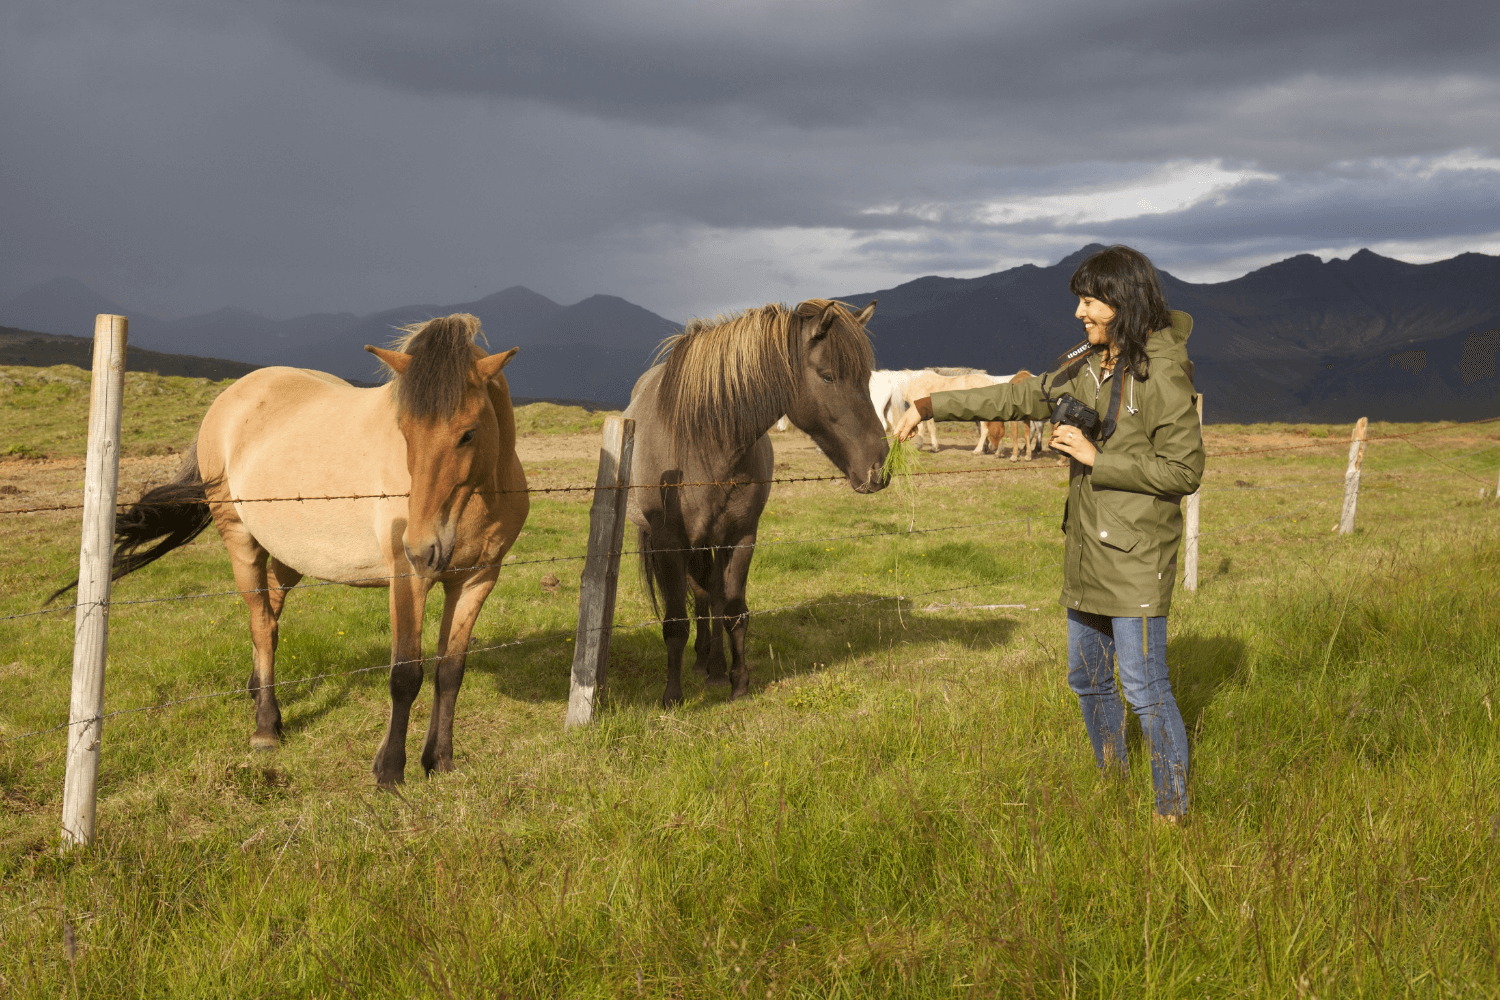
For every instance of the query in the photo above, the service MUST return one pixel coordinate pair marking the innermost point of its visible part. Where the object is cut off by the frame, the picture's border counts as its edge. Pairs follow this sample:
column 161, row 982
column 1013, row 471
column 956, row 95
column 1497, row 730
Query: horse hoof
column 265, row 741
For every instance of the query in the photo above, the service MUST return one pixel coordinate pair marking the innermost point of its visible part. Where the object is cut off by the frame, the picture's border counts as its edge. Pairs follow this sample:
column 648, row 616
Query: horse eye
column 825, row 376
column 467, row 438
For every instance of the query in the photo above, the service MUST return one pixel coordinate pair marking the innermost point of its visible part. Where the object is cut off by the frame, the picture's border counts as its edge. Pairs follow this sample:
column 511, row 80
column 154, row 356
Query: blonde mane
column 442, row 353
column 726, row 379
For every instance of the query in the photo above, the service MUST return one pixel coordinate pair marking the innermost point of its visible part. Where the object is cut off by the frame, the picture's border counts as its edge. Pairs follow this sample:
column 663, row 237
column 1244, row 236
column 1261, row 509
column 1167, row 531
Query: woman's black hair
column 1125, row 280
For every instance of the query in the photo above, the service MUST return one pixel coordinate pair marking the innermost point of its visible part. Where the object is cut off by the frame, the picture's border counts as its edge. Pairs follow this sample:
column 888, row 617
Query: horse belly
column 333, row 540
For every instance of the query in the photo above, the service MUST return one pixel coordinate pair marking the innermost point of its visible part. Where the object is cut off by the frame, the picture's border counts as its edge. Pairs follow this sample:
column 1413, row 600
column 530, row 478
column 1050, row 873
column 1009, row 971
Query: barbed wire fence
column 616, row 551
column 561, row 636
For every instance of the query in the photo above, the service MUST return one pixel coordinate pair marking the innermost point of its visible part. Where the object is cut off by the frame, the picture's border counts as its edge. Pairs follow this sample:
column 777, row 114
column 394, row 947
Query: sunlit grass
column 905, row 806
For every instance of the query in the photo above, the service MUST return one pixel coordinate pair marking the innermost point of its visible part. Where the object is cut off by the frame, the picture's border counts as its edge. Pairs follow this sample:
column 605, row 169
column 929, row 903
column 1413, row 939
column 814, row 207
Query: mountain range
column 1298, row 340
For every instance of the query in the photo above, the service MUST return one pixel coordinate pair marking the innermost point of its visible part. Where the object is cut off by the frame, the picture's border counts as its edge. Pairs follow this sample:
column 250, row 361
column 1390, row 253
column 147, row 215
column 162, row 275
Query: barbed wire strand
column 563, row 636
column 522, row 562
column 708, row 483
column 1331, row 481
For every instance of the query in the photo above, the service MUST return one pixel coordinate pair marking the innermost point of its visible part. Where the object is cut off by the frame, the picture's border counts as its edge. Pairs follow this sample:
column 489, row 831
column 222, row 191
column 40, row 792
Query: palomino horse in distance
column 1031, row 430
column 701, row 418
column 931, row 380
column 432, row 457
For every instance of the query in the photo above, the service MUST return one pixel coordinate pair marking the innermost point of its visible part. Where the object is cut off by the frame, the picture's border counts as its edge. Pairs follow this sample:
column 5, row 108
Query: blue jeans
column 1140, row 646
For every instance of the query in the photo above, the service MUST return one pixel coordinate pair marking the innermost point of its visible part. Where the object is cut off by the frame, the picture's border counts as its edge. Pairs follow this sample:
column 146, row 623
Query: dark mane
column 725, row 380
column 442, row 353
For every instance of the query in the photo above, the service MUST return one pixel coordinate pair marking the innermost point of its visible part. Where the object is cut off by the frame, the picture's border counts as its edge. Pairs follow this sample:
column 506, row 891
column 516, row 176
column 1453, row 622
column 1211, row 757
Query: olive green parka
column 1123, row 517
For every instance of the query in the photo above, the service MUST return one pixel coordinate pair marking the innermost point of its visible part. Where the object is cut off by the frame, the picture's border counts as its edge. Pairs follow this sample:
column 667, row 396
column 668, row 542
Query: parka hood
column 1170, row 342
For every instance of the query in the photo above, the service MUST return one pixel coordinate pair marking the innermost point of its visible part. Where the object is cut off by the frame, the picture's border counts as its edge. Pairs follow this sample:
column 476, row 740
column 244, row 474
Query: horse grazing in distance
column 431, row 457
column 1031, row 429
column 703, row 462
column 930, row 380
column 886, row 394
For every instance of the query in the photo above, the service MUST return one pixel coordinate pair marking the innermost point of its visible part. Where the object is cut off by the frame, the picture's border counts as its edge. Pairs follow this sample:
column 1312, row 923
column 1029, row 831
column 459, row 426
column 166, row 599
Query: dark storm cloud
column 289, row 156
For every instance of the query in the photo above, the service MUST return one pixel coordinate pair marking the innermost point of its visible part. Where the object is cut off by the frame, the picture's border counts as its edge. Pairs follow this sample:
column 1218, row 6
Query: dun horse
column 701, row 418
column 434, row 451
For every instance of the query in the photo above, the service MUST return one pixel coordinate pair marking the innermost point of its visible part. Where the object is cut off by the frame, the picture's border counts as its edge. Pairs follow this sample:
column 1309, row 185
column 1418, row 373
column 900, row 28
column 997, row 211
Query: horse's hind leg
column 248, row 558
column 461, row 605
column 735, row 569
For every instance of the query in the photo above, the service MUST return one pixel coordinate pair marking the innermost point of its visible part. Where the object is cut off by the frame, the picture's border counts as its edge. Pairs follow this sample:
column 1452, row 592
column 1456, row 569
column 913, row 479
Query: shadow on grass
column 804, row 641
column 1201, row 665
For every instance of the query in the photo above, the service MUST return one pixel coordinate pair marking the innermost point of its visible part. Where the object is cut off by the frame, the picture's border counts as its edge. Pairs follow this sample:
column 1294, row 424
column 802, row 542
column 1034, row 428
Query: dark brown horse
column 701, row 417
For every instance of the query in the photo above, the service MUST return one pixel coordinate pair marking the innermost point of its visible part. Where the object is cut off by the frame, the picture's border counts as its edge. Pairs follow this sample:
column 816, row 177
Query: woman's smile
column 1096, row 316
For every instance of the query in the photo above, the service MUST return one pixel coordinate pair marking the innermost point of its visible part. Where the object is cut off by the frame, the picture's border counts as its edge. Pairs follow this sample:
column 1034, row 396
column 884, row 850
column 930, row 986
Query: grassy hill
column 44, row 350
column 47, row 409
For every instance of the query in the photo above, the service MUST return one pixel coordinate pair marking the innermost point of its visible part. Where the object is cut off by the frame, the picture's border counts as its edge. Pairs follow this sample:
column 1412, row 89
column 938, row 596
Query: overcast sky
column 292, row 156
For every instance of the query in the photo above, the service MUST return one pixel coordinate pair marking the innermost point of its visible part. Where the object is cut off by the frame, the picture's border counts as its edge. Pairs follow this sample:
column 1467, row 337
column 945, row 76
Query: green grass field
column 917, row 815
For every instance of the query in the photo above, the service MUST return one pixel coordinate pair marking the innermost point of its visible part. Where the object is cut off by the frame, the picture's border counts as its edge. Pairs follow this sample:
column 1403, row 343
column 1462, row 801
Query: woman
column 1123, row 518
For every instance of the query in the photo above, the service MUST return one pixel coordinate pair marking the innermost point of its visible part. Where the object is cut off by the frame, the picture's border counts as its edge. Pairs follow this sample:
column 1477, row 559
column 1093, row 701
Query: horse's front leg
column 708, row 643
column 671, row 578
column 736, row 613
column 983, row 437
column 408, row 596
column 462, row 602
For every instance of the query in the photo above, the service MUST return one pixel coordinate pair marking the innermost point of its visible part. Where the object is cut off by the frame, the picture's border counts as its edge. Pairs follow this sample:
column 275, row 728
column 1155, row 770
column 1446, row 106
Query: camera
column 1073, row 412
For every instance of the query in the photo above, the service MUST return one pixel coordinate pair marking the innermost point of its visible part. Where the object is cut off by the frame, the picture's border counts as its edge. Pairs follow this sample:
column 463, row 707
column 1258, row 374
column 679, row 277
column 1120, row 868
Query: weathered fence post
column 101, row 480
column 1351, row 475
column 601, row 570
column 1190, row 529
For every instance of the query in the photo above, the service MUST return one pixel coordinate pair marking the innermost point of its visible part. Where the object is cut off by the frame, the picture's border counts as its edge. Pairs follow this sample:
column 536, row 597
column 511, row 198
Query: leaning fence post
column 101, row 480
column 1351, row 475
column 601, row 570
column 1190, row 516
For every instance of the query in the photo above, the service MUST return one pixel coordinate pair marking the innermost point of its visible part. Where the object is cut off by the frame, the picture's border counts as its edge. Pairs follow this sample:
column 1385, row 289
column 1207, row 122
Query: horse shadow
column 782, row 645
column 305, row 703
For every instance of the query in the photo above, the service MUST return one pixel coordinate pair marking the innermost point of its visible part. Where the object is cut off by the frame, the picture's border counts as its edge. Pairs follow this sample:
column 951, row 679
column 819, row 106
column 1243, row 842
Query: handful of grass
column 900, row 463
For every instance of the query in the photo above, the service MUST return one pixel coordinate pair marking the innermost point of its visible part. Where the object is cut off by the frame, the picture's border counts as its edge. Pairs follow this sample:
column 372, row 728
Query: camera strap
column 1116, row 393
column 1066, row 368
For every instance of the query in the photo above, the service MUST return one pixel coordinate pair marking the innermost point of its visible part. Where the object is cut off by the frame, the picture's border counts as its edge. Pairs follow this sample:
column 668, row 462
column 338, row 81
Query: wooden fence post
column 601, row 570
column 101, row 480
column 1190, row 532
column 1351, row 475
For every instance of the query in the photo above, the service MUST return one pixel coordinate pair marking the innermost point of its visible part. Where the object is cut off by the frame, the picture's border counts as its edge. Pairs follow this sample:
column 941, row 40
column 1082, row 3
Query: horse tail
column 648, row 568
column 171, row 515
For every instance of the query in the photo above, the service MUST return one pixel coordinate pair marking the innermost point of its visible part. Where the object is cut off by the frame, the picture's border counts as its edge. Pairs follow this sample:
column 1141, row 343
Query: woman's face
column 1096, row 316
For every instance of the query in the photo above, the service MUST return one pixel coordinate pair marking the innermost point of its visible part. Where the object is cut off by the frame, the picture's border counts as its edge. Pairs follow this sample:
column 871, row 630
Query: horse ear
column 490, row 367
column 394, row 360
column 863, row 316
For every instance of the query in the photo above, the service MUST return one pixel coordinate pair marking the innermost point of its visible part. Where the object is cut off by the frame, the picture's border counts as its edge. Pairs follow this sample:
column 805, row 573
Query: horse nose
column 427, row 558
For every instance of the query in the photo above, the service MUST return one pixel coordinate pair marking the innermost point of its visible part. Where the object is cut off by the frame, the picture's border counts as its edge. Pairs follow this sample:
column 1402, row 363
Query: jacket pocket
column 1114, row 531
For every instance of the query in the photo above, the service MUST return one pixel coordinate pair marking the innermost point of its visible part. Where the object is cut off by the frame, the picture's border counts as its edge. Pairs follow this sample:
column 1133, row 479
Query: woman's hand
column 1071, row 441
column 907, row 425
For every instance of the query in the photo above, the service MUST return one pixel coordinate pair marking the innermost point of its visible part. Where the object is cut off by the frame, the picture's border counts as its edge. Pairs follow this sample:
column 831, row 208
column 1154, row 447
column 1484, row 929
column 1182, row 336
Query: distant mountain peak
column 520, row 294
column 1079, row 256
